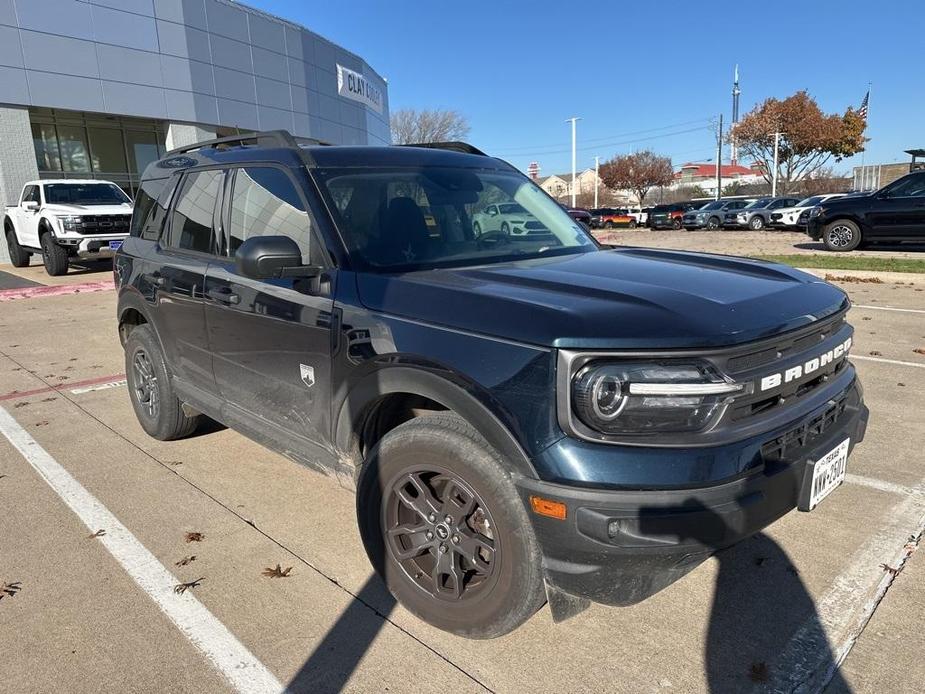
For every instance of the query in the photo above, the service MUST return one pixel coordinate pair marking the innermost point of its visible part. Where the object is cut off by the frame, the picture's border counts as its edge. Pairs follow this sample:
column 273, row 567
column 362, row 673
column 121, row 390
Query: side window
column 31, row 194
column 191, row 223
column 265, row 202
column 909, row 187
column 150, row 211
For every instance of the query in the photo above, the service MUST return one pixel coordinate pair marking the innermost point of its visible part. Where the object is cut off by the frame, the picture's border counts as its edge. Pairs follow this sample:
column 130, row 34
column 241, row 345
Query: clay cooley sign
column 354, row 86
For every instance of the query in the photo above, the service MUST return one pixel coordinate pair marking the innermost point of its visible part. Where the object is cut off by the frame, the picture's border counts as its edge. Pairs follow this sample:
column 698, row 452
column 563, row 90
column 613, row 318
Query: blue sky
column 640, row 75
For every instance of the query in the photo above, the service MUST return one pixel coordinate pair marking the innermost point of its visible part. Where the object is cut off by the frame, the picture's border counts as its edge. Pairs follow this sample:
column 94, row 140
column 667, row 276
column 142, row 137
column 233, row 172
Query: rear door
column 176, row 270
column 899, row 212
column 271, row 339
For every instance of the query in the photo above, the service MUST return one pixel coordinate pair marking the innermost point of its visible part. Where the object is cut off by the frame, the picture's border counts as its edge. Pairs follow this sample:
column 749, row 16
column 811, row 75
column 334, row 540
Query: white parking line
column 888, row 308
column 223, row 650
column 888, row 361
column 881, row 485
column 99, row 386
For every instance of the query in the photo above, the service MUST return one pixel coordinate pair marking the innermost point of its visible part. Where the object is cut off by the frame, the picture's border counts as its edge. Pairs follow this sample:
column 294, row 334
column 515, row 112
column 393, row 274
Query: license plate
column 115, row 245
column 824, row 476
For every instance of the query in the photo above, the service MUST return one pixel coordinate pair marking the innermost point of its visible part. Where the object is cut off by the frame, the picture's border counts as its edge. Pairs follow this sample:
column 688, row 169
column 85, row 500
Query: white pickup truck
column 64, row 219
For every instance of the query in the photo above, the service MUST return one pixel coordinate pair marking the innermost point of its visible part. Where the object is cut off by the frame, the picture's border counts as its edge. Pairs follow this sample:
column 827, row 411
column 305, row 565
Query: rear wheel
column 19, row 257
column 445, row 528
column 841, row 235
column 676, row 224
column 53, row 256
column 157, row 407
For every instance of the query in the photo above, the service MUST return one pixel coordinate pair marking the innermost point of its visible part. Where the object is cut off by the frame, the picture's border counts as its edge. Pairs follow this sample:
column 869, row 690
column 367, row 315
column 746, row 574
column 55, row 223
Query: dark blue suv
column 525, row 418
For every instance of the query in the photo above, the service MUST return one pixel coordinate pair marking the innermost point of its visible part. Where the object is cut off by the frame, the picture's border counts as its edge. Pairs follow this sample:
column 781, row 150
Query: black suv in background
column 895, row 213
column 669, row 216
column 524, row 418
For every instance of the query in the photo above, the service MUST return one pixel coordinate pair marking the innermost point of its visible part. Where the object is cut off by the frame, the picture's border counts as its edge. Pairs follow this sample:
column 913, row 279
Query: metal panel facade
column 211, row 62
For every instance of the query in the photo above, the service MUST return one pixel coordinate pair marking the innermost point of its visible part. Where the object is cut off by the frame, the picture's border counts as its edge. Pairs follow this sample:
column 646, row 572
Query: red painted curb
column 60, row 290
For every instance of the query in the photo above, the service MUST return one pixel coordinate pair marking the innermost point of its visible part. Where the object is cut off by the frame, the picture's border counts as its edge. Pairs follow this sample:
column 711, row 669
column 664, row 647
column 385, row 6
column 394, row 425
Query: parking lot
column 92, row 571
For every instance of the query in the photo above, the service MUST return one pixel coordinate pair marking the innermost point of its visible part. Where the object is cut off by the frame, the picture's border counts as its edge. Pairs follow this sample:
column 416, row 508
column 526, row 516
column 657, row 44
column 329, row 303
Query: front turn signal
column 548, row 507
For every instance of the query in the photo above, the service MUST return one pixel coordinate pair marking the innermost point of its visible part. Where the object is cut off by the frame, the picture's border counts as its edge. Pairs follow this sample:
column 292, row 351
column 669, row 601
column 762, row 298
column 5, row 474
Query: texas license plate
column 824, row 475
column 115, row 245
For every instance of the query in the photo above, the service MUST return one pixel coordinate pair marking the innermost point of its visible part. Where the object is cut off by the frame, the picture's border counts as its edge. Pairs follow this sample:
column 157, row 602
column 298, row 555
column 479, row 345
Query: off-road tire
column 53, row 256
column 168, row 421
column 842, row 235
column 19, row 256
column 633, row 224
column 447, row 445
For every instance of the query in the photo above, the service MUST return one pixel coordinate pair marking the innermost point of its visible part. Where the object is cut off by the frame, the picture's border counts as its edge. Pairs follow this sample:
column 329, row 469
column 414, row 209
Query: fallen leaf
column 24, row 403
column 49, row 399
column 43, row 423
column 866, row 318
column 98, row 533
column 759, row 672
column 186, row 560
column 174, row 462
column 181, row 588
column 852, row 279
column 194, row 537
column 875, row 353
column 901, row 385
column 278, row 572
column 889, row 569
column 10, row 589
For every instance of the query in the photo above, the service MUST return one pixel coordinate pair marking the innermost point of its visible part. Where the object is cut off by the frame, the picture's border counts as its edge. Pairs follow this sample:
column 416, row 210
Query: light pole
column 597, row 179
column 774, row 173
column 719, row 157
column 573, row 121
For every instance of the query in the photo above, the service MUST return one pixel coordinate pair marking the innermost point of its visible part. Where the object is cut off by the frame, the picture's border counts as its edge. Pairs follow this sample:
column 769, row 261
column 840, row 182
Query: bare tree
column 638, row 172
column 825, row 180
column 411, row 126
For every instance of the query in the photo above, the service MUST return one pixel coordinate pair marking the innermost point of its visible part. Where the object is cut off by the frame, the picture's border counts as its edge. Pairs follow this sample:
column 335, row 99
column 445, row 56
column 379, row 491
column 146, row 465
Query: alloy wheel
column 440, row 532
column 145, row 385
column 840, row 235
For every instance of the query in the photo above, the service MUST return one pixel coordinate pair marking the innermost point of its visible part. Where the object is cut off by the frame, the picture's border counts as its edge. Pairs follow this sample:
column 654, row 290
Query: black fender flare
column 405, row 379
column 130, row 299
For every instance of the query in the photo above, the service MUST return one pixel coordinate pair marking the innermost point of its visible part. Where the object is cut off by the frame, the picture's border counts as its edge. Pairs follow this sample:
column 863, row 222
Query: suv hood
column 124, row 208
column 622, row 298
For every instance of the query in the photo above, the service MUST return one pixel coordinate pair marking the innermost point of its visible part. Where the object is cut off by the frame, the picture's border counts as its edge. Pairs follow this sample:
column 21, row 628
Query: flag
column 862, row 112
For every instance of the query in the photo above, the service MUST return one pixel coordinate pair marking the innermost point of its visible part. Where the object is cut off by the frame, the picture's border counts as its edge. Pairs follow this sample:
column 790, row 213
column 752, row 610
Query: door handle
column 224, row 295
column 155, row 279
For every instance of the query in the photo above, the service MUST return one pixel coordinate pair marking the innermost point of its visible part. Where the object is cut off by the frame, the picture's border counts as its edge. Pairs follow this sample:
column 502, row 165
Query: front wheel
column 633, row 224
column 19, row 257
column 444, row 526
column 608, row 225
column 53, row 256
column 756, row 223
column 713, row 223
column 676, row 224
column 841, row 235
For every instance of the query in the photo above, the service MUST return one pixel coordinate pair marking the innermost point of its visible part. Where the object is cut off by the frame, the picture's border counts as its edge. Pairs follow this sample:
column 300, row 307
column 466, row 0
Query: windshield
column 715, row 205
column 84, row 194
column 758, row 204
column 378, row 212
column 809, row 202
column 512, row 209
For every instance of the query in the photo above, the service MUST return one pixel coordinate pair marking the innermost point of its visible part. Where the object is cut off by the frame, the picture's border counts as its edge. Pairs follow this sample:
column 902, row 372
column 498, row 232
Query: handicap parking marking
column 243, row 671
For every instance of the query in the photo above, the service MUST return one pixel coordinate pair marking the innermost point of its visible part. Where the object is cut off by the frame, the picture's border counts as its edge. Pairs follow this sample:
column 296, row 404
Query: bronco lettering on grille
column 806, row 368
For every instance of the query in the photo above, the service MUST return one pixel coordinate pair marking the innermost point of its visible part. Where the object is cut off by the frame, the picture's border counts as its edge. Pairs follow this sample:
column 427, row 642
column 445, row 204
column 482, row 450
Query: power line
column 602, row 141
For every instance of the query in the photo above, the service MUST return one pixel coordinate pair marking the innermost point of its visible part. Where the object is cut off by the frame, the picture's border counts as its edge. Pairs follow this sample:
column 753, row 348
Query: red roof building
column 694, row 173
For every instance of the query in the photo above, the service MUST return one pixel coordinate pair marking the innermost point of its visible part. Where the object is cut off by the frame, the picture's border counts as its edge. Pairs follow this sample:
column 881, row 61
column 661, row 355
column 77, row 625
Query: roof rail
column 267, row 138
column 463, row 147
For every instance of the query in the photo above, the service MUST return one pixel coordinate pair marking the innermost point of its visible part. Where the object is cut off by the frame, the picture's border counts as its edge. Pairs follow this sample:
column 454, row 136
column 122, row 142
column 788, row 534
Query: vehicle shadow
column 764, row 632
column 90, row 267
column 894, row 247
column 334, row 660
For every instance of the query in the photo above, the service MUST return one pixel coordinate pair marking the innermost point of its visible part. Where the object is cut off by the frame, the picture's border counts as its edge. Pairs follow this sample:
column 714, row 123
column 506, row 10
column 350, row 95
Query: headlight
column 648, row 397
column 700, row 217
column 70, row 223
column 815, row 212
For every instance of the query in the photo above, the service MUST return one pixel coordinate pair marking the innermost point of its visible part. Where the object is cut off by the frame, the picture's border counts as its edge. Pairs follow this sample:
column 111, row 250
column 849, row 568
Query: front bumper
column 90, row 246
column 814, row 228
column 618, row 547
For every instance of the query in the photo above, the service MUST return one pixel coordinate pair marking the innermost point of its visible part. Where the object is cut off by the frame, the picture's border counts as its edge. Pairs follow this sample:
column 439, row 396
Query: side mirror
column 272, row 257
column 30, row 205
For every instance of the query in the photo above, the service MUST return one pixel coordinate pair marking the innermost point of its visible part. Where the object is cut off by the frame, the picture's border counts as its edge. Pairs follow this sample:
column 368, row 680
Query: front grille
column 776, row 216
column 785, row 347
column 104, row 224
column 806, row 432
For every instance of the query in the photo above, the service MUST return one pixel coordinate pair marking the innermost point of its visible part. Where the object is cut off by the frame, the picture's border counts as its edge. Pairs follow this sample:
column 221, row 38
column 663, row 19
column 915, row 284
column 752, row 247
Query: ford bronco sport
column 525, row 418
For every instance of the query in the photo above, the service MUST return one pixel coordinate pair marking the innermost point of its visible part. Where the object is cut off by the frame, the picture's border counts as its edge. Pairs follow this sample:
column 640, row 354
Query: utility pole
column 574, row 165
column 774, row 174
column 719, row 157
column 733, row 149
column 597, row 179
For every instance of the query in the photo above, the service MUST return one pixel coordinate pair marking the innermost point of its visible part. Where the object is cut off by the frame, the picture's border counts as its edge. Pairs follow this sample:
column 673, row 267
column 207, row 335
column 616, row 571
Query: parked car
column 524, row 418
column 66, row 219
column 895, row 213
column 597, row 213
column 580, row 215
column 669, row 216
column 756, row 215
column 618, row 218
column 789, row 217
column 506, row 218
column 637, row 213
column 711, row 215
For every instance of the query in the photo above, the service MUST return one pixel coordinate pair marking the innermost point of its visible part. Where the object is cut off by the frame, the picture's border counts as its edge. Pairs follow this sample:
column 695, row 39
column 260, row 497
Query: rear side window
column 191, row 227
column 150, row 208
column 265, row 202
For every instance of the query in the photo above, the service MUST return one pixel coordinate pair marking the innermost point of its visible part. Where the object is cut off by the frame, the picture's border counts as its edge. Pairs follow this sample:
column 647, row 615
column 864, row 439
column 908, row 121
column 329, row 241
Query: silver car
column 757, row 215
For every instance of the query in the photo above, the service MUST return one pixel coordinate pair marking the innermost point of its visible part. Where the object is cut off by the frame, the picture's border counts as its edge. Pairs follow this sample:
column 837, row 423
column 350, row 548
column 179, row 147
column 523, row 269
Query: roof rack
column 463, row 147
column 267, row 138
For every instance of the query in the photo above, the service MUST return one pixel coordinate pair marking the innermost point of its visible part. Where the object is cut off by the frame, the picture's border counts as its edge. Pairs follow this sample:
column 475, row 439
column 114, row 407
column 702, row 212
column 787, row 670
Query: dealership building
column 100, row 88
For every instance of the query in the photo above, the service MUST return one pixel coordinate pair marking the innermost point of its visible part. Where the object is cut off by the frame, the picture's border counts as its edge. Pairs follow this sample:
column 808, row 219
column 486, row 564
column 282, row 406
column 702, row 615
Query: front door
column 29, row 218
column 271, row 339
column 899, row 211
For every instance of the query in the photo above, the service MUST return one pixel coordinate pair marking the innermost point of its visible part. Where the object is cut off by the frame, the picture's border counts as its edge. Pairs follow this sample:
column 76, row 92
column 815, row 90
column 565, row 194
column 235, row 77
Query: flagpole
column 864, row 151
